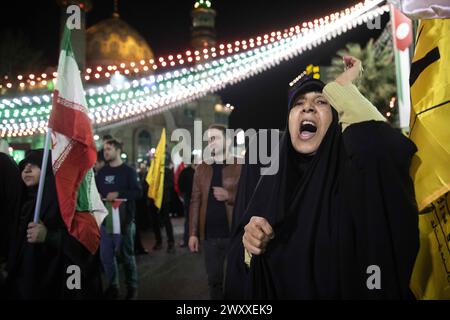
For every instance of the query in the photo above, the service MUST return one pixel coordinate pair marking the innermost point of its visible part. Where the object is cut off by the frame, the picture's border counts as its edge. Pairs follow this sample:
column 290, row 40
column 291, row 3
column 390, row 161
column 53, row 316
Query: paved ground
column 171, row 276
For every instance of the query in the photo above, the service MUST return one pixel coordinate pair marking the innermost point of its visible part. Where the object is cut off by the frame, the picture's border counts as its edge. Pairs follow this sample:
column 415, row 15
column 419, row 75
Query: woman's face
column 309, row 121
column 31, row 174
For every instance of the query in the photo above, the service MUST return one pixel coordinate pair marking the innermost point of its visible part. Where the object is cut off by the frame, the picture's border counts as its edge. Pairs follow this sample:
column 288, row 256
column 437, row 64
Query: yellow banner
column 155, row 176
column 430, row 168
column 431, row 276
column 430, row 114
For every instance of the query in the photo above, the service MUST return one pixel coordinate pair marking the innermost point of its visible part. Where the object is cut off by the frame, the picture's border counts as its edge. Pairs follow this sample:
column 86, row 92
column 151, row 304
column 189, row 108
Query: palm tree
column 378, row 81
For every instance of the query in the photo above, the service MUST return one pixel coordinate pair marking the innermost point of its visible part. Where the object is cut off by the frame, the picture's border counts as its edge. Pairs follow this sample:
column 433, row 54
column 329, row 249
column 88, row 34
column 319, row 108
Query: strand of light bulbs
column 188, row 57
column 234, row 70
column 102, row 89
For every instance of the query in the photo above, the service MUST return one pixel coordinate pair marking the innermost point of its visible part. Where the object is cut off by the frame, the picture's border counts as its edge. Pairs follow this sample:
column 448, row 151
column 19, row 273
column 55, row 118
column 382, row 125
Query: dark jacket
column 185, row 182
column 39, row 271
column 335, row 214
column 10, row 192
column 126, row 183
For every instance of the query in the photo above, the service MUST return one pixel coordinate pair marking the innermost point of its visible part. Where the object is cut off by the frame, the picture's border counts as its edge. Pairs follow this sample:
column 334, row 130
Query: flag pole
column 48, row 137
column 37, row 209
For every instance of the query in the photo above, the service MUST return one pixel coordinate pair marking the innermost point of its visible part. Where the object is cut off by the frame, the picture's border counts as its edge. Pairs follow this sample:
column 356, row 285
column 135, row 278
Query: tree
column 378, row 81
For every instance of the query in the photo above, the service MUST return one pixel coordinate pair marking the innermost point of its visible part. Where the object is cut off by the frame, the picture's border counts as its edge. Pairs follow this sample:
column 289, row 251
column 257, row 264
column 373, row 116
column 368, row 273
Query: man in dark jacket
column 117, row 181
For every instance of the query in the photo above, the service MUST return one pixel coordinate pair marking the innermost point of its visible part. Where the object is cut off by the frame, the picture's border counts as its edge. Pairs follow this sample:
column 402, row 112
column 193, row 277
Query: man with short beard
column 211, row 207
column 116, row 181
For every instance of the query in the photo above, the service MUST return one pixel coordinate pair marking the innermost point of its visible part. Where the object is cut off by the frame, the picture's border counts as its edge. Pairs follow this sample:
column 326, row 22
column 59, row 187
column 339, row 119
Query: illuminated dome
column 113, row 41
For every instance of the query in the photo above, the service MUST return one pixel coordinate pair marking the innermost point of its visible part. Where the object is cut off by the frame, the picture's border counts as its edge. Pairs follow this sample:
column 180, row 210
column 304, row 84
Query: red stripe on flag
column 176, row 178
column 71, row 120
column 68, row 179
column 117, row 203
column 85, row 229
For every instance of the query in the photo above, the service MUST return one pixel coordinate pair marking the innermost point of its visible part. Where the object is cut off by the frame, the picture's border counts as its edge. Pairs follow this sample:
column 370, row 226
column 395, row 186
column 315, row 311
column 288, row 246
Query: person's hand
column 353, row 69
column 112, row 196
column 36, row 233
column 193, row 243
column 258, row 233
column 221, row 194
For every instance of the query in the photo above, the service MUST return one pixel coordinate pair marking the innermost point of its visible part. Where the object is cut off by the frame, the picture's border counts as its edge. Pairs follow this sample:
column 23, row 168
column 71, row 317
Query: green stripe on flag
column 109, row 218
column 84, row 194
column 66, row 44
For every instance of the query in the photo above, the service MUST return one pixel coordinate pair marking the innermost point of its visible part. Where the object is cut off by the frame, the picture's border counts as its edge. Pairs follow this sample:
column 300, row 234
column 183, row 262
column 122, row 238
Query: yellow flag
column 155, row 176
column 430, row 168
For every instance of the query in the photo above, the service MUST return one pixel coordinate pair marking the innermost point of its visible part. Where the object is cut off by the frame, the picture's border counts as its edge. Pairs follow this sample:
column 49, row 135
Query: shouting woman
column 339, row 218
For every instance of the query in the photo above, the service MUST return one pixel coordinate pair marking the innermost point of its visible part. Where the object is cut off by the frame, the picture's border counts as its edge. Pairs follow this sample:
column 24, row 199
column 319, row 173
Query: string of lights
column 95, row 74
column 113, row 105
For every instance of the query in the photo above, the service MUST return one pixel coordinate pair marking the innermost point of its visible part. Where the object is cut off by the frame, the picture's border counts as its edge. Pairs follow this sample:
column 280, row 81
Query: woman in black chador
column 339, row 219
column 41, row 254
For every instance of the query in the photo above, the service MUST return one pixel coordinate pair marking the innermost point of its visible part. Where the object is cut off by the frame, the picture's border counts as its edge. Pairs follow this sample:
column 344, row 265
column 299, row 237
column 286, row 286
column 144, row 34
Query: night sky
column 260, row 101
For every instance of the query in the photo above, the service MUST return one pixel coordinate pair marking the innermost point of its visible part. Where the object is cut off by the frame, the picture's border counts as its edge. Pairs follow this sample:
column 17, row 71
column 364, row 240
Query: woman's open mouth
column 308, row 129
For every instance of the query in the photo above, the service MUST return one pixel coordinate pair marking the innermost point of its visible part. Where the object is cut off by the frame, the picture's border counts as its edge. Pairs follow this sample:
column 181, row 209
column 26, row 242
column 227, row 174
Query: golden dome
column 113, row 41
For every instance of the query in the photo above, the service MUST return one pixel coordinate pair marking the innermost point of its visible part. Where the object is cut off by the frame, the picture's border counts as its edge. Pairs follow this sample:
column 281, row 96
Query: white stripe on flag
column 97, row 205
column 116, row 220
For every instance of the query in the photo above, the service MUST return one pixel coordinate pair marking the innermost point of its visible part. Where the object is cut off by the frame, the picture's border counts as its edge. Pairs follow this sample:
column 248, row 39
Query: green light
column 203, row 4
column 50, row 86
column 18, row 155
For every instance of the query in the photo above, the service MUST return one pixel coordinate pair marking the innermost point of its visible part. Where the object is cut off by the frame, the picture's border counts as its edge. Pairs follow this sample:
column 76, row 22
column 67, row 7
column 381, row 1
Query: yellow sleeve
column 350, row 104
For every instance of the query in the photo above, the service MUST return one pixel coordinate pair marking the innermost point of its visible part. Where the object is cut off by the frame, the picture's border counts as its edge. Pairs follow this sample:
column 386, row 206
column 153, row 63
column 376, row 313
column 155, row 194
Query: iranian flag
column 74, row 153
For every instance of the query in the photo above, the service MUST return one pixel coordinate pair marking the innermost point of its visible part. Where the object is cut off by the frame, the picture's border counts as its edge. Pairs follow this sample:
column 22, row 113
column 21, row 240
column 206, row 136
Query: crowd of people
column 35, row 256
column 342, row 201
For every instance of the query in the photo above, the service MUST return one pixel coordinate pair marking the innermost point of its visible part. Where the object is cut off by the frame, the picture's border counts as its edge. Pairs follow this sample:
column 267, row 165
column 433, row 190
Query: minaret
column 203, row 25
column 116, row 9
column 203, row 35
column 78, row 36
